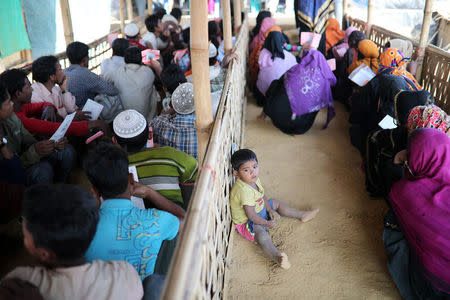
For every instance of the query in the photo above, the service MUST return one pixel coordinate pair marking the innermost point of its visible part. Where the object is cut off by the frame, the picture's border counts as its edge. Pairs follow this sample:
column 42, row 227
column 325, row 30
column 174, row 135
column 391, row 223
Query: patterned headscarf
column 429, row 116
column 392, row 61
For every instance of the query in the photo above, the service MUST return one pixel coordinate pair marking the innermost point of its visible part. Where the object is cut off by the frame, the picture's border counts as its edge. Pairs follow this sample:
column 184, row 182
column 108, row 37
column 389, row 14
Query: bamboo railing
column 202, row 255
column 435, row 76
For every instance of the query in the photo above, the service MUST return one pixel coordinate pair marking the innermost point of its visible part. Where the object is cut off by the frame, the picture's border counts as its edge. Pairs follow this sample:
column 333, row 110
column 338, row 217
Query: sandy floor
column 339, row 254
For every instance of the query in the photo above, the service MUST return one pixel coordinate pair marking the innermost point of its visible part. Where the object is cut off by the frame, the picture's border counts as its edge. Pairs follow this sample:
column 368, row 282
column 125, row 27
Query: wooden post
column 369, row 17
column 237, row 14
column 200, row 74
column 423, row 42
column 150, row 7
column 226, row 16
column 344, row 10
column 122, row 16
column 130, row 11
column 67, row 21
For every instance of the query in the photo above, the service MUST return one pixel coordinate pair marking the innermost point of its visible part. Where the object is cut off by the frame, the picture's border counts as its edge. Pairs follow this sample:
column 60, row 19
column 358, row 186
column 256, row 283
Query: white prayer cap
column 129, row 124
column 212, row 50
column 168, row 17
column 183, row 99
column 131, row 30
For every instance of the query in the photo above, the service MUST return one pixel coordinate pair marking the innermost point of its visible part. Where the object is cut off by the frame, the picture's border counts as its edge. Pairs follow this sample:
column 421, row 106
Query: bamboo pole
column 200, row 73
column 423, row 42
column 226, row 16
column 67, row 21
column 150, row 7
column 369, row 17
column 237, row 14
column 344, row 10
column 122, row 16
column 130, row 10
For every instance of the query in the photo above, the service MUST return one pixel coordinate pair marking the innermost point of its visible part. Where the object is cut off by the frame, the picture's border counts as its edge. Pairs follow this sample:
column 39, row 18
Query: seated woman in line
column 294, row 100
column 416, row 235
column 376, row 98
column 368, row 55
column 253, row 65
column 266, row 24
column 259, row 19
column 384, row 144
column 339, row 50
column 333, row 34
column 273, row 61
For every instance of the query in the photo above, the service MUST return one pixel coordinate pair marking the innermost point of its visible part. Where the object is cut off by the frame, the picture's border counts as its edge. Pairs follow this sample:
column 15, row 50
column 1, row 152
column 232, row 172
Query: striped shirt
column 163, row 169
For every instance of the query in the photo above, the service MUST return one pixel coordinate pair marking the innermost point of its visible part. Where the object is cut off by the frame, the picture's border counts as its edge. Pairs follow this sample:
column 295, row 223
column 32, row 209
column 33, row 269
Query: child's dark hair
column 62, row 218
column 176, row 13
column 43, row 68
column 3, row 92
column 119, row 46
column 213, row 33
column 242, row 156
column 14, row 80
column 160, row 12
column 151, row 22
column 107, row 169
column 76, row 51
column 134, row 144
column 172, row 76
column 133, row 56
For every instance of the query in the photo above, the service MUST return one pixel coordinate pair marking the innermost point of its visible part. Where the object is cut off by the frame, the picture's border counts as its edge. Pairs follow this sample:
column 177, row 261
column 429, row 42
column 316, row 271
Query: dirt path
column 338, row 255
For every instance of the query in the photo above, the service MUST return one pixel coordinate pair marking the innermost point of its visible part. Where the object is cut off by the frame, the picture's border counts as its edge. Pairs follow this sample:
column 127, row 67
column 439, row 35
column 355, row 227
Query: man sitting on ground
column 161, row 168
column 45, row 160
column 39, row 117
column 135, row 83
column 82, row 83
column 116, row 61
column 177, row 129
column 124, row 231
column 59, row 223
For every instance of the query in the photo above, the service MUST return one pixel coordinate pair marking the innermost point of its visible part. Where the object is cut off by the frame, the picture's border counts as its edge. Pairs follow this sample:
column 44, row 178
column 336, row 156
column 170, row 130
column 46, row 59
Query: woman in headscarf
column 273, row 61
column 382, row 145
column 253, row 65
column 393, row 62
column 416, row 235
column 333, row 34
column 340, row 49
column 428, row 116
column 294, row 100
column 261, row 16
column 266, row 24
column 368, row 55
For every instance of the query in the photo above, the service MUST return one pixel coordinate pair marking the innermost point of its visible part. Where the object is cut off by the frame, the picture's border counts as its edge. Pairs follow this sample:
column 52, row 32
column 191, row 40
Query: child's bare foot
column 283, row 261
column 308, row 215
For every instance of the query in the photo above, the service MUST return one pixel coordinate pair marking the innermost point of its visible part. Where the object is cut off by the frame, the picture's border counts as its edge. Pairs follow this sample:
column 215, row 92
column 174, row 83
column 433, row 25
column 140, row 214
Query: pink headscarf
column 265, row 25
column 422, row 204
column 340, row 49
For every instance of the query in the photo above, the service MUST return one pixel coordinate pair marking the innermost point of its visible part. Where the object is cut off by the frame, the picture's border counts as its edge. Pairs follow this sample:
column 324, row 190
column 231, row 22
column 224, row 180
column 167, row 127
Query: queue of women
column 408, row 165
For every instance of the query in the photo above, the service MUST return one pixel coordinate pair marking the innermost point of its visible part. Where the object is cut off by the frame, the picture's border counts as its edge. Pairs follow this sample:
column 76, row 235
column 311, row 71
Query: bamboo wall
column 201, row 260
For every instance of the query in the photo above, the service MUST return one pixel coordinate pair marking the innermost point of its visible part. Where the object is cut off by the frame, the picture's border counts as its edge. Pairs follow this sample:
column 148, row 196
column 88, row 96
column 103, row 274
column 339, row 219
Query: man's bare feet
column 308, row 215
column 283, row 261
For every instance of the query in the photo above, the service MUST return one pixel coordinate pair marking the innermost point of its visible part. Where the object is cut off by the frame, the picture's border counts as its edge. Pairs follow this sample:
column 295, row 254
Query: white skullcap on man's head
column 131, row 30
column 129, row 124
column 212, row 50
column 183, row 99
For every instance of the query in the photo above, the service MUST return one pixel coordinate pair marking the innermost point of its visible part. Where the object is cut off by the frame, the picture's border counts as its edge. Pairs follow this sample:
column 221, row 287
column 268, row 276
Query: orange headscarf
column 253, row 65
column 370, row 51
column 333, row 33
column 392, row 60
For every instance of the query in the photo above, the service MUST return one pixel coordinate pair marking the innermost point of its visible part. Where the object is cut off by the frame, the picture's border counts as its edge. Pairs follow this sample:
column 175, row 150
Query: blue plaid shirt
column 177, row 131
column 84, row 84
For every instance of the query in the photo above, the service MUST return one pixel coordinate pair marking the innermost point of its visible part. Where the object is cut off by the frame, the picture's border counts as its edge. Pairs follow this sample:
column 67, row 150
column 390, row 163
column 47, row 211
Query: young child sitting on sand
column 252, row 212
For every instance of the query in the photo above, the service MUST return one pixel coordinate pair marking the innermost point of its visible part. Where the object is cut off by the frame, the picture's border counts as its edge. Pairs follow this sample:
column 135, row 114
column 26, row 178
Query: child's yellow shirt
column 243, row 194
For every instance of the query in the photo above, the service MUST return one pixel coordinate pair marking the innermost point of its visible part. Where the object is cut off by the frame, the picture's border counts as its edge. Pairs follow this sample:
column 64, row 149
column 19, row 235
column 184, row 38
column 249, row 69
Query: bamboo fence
column 435, row 76
column 201, row 260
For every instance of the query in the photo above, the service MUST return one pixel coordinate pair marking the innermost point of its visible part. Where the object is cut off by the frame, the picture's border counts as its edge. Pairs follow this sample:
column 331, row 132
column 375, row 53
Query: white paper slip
column 138, row 202
column 61, row 131
column 93, row 107
column 362, row 75
column 387, row 123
